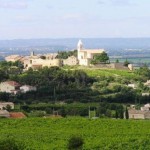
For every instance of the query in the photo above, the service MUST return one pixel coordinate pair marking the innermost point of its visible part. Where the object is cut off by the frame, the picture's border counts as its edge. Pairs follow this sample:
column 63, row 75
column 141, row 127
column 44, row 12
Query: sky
column 27, row 19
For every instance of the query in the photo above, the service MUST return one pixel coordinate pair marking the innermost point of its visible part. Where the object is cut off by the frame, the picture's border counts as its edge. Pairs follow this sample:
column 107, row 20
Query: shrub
column 75, row 143
column 10, row 144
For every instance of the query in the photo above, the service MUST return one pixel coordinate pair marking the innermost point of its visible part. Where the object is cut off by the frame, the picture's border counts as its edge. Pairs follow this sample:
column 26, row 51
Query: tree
column 126, row 63
column 100, row 58
column 75, row 143
column 43, row 57
column 143, row 71
column 117, row 60
column 8, row 108
column 116, row 114
column 126, row 113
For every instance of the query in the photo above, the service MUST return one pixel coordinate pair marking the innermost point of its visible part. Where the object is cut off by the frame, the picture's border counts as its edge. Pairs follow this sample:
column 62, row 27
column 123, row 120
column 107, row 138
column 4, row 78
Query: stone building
column 35, row 62
column 138, row 114
column 71, row 61
column 144, row 113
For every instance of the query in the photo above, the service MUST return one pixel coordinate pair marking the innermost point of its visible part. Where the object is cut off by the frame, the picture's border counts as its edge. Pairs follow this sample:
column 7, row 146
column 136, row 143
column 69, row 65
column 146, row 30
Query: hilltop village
column 84, row 57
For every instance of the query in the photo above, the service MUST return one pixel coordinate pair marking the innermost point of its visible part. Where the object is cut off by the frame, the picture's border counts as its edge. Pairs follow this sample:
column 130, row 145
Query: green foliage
column 66, row 54
column 47, row 133
column 143, row 71
column 117, row 60
column 11, row 144
column 43, row 57
column 75, row 143
column 126, row 63
column 100, row 58
column 126, row 113
column 111, row 73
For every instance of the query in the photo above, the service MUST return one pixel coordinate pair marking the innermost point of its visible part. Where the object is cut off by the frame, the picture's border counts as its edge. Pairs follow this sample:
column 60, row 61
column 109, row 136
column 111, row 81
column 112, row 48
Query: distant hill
column 124, row 47
column 107, row 43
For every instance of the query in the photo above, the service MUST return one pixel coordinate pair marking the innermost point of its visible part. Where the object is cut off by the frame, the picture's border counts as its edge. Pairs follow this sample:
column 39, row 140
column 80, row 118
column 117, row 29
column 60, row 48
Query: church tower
column 80, row 45
column 79, row 48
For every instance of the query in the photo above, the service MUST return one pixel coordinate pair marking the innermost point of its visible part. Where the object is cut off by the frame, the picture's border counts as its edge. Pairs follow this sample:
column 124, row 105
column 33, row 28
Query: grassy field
column 53, row 134
column 110, row 72
column 102, row 72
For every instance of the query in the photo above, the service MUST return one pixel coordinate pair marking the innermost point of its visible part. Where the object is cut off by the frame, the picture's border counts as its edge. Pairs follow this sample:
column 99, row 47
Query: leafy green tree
column 66, row 54
column 100, row 58
column 43, row 57
column 117, row 60
column 8, row 108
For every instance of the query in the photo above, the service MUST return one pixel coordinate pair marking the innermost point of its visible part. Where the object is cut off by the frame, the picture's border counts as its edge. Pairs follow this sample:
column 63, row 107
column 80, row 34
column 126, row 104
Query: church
column 86, row 55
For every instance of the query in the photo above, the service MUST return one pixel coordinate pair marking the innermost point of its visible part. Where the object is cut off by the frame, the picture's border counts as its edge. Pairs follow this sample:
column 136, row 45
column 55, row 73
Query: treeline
column 66, row 54
column 103, row 109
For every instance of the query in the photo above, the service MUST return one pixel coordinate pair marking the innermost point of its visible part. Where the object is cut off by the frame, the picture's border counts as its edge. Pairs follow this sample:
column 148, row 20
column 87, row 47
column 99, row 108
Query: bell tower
column 79, row 45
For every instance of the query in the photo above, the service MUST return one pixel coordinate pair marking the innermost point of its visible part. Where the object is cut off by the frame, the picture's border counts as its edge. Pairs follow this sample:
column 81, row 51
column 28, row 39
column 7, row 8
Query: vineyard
column 110, row 72
column 53, row 134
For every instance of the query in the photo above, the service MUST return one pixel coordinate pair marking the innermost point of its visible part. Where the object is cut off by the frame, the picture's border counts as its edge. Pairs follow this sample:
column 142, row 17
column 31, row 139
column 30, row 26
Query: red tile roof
column 13, row 83
column 17, row 115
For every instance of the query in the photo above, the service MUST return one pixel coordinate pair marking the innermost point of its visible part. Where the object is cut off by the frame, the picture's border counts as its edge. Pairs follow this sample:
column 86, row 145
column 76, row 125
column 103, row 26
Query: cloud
column 116, row 2
column 15, row 4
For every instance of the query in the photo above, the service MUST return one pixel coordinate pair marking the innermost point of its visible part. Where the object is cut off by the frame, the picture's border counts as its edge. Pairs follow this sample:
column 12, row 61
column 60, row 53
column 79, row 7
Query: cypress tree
column 116, row 114
column 126, row 113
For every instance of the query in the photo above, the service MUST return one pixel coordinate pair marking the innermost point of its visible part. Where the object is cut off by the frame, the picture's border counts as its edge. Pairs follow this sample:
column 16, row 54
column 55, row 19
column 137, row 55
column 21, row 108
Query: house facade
column 5, row 104
column 70, row 61
column 144, row 113
column 4, row 113
column 13, row 87
column 37, row 62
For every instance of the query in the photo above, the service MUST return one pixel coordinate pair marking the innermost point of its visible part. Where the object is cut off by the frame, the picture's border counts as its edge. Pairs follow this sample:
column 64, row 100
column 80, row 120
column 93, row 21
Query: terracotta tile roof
column 12, row 83
column 17, row 115
column 134, row 111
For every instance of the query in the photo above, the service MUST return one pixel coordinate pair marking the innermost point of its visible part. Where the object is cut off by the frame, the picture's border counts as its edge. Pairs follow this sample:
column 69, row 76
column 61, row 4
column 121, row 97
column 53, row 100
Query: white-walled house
column 5, row 104
column 27, row 88
column 13, row 87
column 134, row 86
column 10, row 87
